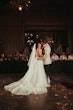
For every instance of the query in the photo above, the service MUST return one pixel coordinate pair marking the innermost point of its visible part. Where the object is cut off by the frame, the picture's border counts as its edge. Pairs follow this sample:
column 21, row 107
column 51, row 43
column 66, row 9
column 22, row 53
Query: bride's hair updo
column 38, row 41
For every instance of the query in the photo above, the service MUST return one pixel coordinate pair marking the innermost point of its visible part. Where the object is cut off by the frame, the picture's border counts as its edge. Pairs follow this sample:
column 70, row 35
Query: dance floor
column 59, row 96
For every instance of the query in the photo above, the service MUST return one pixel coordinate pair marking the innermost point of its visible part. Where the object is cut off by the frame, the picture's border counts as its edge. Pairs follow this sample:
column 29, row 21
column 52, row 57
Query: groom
column 47, row 59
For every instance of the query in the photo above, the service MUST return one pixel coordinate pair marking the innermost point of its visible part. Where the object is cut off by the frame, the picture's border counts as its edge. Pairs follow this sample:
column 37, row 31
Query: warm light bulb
column 26, row 5
column 29, row 1
column 20, row 8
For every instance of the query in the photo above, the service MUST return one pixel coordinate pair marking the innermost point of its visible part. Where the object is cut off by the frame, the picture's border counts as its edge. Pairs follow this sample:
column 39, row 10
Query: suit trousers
column 47, row 69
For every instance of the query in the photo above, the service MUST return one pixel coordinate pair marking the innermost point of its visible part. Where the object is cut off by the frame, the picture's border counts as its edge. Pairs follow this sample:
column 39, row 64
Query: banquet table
column 21, row 66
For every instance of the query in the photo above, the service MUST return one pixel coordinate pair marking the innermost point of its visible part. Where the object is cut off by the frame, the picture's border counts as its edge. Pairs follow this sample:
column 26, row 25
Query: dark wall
column 11, row 32
column 13, row 24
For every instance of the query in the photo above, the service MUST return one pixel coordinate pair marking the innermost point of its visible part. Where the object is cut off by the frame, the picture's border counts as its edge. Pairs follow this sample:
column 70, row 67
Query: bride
column 35, row 80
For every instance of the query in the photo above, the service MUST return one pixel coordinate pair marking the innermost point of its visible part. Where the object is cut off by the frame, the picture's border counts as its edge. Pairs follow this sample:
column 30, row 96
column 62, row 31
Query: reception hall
column 22, row 23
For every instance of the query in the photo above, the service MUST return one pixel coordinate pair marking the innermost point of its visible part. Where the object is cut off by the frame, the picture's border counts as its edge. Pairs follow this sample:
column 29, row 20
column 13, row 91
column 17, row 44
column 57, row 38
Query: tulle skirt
column 34, row 81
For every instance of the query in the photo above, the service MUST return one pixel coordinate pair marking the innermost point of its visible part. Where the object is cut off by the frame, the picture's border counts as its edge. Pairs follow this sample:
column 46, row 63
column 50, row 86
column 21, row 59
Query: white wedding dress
column 34, row 81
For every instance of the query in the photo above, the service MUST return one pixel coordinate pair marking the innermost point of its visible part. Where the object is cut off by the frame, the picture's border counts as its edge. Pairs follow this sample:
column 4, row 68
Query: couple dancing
column 35, row 80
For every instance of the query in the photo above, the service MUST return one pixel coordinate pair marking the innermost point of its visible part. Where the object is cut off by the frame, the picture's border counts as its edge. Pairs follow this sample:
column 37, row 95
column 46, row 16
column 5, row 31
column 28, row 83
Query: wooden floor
column 59, row 96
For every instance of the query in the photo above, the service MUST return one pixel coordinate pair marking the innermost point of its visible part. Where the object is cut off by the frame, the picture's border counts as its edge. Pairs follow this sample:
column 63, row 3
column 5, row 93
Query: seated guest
column 54, row 57
column 1, row 58
column 70, row 57
column 16, row 57
column 63, row 56
column 68, row 51
column 21, row 57
column 26, row 52
column 10, row 57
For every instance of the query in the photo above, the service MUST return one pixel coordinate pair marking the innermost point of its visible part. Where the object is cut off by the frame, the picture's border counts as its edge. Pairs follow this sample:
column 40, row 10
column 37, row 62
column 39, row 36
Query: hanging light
column 20, row 7
column 20, row 4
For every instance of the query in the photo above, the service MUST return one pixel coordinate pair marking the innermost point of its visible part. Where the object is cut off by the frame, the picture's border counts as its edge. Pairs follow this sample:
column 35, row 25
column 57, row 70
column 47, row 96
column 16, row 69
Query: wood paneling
column 13, row 24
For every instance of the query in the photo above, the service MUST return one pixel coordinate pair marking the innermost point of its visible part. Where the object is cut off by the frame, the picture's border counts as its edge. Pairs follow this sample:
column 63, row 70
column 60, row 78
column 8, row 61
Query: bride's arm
column 40, row 55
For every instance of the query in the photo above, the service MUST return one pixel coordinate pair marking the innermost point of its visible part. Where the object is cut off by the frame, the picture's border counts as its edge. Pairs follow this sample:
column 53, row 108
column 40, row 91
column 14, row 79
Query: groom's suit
column 47, row 59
